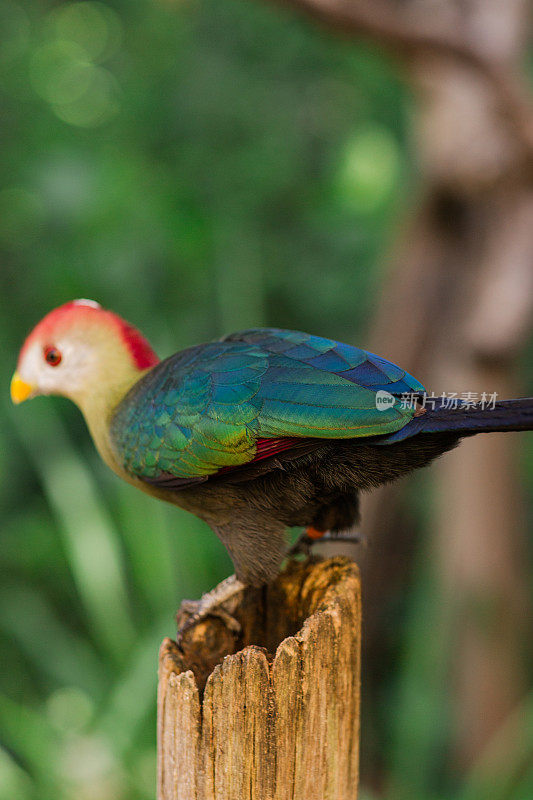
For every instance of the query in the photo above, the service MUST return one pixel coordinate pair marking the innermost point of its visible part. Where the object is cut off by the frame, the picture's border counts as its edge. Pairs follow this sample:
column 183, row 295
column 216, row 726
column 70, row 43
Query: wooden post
column 251, row 725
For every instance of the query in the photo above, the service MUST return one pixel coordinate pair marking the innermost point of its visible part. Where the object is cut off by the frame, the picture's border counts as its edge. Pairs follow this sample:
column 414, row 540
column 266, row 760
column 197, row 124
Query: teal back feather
column 203, row 409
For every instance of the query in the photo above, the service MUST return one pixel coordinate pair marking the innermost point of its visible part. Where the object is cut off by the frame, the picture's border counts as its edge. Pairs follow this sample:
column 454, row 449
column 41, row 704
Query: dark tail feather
column 466, row 420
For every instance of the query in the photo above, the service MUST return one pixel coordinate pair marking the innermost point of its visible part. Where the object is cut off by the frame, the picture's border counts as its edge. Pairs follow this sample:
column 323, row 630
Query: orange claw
column 313, row 533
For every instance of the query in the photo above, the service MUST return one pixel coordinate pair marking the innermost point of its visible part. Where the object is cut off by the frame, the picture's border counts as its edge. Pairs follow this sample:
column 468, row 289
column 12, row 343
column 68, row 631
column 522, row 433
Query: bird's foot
column 301, row 547
column 220, row 602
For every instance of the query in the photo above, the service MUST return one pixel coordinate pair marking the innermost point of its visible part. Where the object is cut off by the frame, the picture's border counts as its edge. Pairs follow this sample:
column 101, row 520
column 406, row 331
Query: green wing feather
column 203, row 409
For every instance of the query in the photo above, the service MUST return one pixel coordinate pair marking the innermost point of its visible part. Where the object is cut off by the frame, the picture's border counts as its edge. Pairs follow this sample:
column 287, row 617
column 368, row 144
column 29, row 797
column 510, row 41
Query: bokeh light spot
column 67, row 183
column 93, row 26
column 60, row 71
column 98, row 103
column 90, row 770
column 69, row 709
column 369, row 169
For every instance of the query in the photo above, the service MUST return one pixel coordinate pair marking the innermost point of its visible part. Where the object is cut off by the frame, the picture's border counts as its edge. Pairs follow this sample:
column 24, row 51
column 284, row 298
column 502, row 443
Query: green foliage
column 198, row 168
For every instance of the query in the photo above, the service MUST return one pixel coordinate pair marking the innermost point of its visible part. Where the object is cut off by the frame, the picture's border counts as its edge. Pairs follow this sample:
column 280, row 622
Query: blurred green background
column 197, row 168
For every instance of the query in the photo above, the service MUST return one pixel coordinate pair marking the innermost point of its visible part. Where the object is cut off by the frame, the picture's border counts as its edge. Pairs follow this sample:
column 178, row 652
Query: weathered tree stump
column 250, row 725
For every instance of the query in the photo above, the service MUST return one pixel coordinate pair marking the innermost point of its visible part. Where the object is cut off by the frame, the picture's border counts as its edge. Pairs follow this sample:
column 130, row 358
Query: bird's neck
column 97, row 408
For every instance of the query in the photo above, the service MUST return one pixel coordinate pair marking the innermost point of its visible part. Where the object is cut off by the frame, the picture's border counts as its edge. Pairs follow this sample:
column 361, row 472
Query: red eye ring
column 52, row 355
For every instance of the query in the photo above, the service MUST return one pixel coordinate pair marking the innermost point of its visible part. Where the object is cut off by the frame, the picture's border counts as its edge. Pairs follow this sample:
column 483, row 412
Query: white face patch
column 78, row 363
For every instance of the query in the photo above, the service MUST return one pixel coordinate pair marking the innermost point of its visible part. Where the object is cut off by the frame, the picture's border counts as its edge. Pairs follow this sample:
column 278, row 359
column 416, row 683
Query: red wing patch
column 269, row 447
column 266, row 448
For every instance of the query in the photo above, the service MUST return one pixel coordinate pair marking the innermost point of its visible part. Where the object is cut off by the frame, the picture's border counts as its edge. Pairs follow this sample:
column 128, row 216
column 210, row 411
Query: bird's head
column 79, row 350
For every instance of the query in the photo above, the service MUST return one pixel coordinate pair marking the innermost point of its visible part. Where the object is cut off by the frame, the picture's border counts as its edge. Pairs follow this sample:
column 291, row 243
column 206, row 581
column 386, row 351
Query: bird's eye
column 52, row 356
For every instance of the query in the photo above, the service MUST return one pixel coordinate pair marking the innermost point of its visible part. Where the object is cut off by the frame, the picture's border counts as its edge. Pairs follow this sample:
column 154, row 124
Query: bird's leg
column 219, row 602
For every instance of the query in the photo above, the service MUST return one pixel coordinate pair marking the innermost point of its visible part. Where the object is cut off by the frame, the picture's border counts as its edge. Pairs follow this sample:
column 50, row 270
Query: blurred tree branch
column 402, row 32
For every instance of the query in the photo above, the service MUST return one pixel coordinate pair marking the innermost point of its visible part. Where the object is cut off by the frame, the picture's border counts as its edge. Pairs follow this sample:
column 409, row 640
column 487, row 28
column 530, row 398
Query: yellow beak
column 20, row 390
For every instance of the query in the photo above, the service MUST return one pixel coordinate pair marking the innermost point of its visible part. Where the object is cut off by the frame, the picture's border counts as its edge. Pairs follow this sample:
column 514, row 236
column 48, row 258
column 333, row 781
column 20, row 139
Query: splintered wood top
column 273, row 715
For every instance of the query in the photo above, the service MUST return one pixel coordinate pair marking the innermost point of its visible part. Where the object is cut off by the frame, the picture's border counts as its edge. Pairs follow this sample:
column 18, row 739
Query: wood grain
column 274, row 715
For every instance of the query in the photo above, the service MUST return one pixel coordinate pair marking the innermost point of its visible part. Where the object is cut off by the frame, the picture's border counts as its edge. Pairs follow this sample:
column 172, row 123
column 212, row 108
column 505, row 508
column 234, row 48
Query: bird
column 255, row 433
